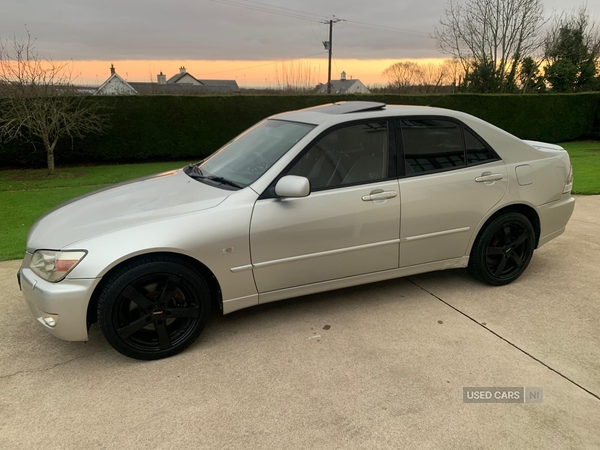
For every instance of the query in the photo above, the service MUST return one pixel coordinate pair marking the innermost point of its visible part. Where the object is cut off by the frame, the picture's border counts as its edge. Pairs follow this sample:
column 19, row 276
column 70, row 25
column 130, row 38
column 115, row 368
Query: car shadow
column 320, row 307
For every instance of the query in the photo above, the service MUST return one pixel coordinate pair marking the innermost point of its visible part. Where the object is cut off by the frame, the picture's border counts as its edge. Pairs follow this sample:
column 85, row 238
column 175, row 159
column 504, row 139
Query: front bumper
column 66, row 302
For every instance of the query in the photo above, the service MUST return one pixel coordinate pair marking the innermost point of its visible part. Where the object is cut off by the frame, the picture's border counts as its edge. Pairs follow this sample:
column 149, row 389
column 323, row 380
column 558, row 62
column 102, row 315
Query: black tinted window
column 477, row 151
column 349, row 155
column 431, row 144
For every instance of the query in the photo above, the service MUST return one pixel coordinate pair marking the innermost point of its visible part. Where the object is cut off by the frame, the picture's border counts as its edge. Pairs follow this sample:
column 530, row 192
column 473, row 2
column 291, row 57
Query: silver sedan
column 303, row 202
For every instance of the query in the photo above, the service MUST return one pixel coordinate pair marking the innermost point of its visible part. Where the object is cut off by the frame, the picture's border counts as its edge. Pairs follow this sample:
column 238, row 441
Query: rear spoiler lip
column 543, row 145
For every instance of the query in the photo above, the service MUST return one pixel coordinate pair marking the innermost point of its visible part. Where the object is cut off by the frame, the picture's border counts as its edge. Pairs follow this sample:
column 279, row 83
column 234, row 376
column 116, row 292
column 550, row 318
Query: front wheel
column 153, row 308
column 502, row 252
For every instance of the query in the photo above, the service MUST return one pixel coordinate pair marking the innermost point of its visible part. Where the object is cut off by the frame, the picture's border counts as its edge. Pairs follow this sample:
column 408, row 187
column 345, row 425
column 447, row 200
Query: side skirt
column 307, row 289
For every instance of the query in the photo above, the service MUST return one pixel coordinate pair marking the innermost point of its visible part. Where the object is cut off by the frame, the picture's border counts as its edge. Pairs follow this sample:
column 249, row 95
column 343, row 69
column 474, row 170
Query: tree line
column 495, row 46
column 499, row 46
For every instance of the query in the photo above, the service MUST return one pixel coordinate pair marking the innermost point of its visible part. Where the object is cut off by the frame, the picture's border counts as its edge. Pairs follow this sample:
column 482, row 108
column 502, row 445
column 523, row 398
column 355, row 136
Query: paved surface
column 378, row 366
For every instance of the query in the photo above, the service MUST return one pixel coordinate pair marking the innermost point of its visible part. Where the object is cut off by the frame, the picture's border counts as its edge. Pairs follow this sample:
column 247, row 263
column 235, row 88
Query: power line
column 267, row 5
column 336, row 66
column 382, row 28
column 270, row 11
column 313, row 32
column 303, row 15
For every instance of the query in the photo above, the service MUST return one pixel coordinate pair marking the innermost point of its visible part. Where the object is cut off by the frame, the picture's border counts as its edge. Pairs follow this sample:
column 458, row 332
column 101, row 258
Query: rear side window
column 431, row 145
column 477, row 151
column 436, row 144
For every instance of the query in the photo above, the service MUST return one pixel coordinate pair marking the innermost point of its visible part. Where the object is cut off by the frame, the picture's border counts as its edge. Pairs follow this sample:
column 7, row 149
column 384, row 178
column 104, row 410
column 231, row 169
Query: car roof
column 340, row 112
column 510, row 148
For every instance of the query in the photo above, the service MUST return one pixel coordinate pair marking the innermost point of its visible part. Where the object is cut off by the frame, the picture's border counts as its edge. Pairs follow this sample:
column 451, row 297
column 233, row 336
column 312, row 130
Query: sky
column 231, row 39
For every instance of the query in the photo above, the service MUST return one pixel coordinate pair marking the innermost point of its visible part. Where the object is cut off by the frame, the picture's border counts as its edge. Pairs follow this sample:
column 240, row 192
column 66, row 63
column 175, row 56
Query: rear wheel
column 502, row 252
column 153, row 308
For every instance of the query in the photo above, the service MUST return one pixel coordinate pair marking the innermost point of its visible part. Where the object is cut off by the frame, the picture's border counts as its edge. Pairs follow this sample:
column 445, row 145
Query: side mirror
column 293, row 186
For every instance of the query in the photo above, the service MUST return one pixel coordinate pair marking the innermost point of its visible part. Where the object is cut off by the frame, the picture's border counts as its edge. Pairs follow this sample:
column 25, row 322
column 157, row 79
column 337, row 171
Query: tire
column 503, row 250
column 153, row 307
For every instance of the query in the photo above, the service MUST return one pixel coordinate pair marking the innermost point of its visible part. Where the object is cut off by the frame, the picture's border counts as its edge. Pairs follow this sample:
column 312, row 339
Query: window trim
column 463, row 126
column 269, row 192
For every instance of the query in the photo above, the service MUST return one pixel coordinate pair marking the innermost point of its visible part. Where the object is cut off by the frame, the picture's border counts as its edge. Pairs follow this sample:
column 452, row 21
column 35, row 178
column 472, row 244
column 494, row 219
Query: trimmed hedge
column 153, row 128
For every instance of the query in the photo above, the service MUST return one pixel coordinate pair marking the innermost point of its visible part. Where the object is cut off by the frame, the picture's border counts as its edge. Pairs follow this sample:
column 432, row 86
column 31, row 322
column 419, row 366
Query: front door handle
column 489, row 176
column 381, row 195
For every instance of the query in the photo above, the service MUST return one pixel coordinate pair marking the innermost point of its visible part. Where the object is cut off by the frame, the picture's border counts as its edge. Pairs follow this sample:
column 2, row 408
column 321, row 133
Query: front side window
column 244, row 160
column 431, row 145
column 351, row 155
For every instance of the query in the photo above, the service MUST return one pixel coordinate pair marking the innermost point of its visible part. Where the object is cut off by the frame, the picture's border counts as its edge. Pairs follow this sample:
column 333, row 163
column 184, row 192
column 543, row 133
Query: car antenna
column 438, row 99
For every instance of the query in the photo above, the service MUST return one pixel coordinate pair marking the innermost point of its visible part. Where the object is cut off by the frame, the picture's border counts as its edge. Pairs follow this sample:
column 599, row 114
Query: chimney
column 343, row 76
column 161, row 78
column 112, row 69
column 182, row 69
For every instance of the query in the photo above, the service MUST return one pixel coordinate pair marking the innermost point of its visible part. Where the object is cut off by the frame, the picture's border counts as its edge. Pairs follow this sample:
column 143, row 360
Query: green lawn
column 585, row 158
column 27, row 194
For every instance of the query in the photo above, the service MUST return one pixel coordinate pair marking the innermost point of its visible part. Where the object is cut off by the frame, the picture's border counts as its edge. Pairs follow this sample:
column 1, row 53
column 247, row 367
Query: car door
column 451, row 179
column 349, row 223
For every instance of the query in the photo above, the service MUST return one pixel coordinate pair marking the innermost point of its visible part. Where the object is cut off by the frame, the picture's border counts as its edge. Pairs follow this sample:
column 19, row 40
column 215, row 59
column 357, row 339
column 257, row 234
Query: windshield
column 247, row 157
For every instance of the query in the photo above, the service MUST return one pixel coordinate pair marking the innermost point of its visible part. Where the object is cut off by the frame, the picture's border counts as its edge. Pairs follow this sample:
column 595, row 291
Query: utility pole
column 329, row 46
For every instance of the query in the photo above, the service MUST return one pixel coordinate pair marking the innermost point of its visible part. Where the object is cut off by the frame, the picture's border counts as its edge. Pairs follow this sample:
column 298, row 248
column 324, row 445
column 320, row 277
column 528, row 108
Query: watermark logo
column 503, row 395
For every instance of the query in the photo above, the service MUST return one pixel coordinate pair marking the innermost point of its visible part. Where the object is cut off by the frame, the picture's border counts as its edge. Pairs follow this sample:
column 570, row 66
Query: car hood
column 122, row 205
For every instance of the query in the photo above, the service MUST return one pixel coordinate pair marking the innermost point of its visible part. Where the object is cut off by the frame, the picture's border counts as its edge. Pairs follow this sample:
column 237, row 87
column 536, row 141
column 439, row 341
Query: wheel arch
column 522, row 208
column 209, row 276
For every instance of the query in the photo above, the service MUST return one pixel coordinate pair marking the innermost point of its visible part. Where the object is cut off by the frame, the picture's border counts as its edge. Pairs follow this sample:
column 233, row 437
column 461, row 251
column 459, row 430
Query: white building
column 182, row 84
column 115, row 85
column 344, row 86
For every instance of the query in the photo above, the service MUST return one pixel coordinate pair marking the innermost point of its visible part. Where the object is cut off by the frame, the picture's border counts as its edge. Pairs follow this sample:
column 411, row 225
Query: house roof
column 172, row 87
column 338, row 86
column 175, row 78
column 232, row 84
column 182, row 89
column 114, row 75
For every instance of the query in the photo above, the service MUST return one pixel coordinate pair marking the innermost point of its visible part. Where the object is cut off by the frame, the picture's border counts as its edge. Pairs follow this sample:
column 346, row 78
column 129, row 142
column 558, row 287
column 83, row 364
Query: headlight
column 54, row 265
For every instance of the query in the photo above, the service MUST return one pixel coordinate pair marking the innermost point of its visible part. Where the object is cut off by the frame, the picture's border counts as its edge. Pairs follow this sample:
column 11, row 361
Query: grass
column 585, row 158
column 27, row 179
column 27, row 194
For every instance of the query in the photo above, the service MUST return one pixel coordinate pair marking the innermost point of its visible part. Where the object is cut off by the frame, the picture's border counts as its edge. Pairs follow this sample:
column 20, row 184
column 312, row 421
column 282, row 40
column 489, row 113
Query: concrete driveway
column 378, row 366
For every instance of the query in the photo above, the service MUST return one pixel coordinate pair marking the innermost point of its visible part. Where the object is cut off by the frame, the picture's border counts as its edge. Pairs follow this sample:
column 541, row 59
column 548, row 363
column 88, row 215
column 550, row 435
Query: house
column 344, row 86
column 182, row 83
column 115, row 85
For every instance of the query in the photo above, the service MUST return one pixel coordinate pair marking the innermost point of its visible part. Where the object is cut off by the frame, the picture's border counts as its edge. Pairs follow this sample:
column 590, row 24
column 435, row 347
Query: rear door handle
column 488, row 176
column 375, row 196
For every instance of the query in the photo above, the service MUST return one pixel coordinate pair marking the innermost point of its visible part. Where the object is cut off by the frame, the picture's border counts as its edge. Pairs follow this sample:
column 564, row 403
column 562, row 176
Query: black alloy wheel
column 503, row 250
column 154, row 308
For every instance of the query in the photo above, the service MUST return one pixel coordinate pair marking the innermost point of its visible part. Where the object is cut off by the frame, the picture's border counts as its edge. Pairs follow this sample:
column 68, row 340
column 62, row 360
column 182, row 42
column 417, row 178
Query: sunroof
column 349, row 107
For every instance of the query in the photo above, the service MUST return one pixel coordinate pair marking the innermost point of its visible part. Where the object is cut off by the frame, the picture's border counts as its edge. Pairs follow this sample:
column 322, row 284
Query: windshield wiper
column 225, row 181
column 194, row 168
column 198, row 176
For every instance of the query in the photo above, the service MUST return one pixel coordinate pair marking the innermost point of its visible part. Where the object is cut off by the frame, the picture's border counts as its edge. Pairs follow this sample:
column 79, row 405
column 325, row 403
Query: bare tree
column 433, row 77
column 402, row 75
column 491, row 37
column 454, row 73
column 424, row 78
column 295, row 76
column 38, row 101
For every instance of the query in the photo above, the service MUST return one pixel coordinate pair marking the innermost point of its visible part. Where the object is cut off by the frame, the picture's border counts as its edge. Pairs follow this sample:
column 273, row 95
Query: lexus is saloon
column 303, row 202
